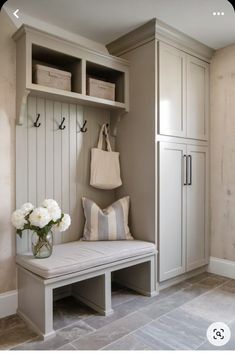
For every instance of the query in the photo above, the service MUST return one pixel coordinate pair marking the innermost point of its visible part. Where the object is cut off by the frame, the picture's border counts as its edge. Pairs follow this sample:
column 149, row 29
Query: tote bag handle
column 104, row 131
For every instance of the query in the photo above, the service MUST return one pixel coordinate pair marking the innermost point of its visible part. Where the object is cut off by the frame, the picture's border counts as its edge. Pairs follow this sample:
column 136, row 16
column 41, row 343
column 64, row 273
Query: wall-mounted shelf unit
column 38, row 47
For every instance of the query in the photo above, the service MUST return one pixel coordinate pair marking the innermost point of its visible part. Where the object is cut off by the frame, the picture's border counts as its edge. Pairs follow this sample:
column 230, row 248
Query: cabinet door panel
column 172, row 88
column 197, row 208
column 197, row 98
column 172, row 201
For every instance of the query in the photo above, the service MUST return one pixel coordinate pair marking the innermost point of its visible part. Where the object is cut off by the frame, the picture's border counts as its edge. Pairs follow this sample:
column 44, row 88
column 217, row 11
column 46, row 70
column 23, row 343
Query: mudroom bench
column 87, row 267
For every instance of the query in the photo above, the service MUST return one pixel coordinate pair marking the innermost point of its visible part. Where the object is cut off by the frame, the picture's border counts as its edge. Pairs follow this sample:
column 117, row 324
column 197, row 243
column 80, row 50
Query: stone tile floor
column 175, row 319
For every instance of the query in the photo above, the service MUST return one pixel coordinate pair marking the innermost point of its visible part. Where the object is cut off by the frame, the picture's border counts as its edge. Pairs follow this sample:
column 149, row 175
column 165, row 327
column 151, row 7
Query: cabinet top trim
column 156, row 29
column 25, row 29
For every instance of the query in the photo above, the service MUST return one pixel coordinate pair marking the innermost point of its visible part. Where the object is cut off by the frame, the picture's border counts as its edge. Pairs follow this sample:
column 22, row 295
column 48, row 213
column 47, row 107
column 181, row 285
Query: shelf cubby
column 108, row 74
column 61, row 61
column 34, row 46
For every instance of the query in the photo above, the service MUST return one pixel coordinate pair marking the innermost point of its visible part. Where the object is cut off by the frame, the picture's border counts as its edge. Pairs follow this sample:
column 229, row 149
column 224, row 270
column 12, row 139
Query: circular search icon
column 218, row 334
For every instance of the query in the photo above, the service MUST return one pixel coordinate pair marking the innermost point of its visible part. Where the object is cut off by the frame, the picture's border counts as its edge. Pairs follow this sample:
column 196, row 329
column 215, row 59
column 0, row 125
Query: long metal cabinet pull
column 185, row 170
column 190, row 169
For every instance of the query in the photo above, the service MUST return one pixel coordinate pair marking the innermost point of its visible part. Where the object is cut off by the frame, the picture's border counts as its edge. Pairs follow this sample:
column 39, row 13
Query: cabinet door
column 197, row 207
column 172, row 90
column 172, row 202
column 197, row 98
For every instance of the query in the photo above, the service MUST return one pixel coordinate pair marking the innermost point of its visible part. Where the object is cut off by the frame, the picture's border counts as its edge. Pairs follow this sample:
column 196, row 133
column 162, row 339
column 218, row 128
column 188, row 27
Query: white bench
column 88, row 267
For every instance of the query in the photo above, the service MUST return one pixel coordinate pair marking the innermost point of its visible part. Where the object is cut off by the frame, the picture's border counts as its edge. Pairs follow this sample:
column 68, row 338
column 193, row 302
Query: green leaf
column 19, row 232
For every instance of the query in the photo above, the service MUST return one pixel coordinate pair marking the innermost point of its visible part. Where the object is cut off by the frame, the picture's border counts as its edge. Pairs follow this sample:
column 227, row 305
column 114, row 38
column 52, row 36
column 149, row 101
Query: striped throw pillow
column 108, row 224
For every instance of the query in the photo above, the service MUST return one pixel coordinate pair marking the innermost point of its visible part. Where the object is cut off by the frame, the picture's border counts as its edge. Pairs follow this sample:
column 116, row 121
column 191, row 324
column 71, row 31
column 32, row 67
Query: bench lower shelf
column 93, row 287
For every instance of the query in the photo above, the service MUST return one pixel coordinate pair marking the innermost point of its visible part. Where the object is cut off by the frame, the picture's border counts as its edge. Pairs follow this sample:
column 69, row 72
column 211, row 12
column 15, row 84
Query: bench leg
column 35, row 303
column 95, row 292
column 141, row 278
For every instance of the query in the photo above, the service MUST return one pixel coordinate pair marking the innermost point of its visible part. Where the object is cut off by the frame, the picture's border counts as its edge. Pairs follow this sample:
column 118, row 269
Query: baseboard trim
column 172, row 281
column 137, row 289
column 91, row 304
column 8, row 303
column 222, row 267
column 9, row 300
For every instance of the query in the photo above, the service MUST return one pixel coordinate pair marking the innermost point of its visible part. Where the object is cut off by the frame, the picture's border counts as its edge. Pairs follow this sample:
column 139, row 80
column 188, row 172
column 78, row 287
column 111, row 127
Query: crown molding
column 26, row 29
column 156, row 29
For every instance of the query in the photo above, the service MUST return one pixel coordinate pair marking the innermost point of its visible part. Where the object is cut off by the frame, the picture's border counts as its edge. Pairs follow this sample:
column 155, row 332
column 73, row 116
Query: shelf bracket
column 115, row 118
column 21, row 107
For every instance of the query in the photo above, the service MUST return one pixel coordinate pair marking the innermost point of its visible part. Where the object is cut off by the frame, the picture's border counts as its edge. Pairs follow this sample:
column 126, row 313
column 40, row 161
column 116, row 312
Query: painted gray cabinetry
column 183, row 94
column 172, row 209
column 183, row 208
column 197, row 252
column 169, row 90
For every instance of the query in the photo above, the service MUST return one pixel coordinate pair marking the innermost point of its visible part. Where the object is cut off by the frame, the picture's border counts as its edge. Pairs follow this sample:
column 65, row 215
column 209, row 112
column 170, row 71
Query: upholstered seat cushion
column 81, row 255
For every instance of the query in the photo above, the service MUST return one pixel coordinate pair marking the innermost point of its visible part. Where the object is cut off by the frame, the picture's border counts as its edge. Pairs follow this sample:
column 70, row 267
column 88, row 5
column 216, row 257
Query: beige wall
column 223, row 154
column 7, row 153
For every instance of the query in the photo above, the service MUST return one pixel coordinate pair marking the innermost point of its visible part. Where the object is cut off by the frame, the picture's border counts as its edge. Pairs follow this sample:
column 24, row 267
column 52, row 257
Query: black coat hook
column 36, row 124
column 61, row 127
column 83, row 129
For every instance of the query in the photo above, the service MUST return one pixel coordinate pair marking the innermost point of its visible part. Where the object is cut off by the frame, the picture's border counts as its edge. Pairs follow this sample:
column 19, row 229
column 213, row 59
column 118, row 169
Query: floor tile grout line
column 74, row 323
column 27, row 341
column 225, row 281
column 183, row 333
column 112, row 322
column 202, row 344
column 133, row 332
column 208, row 291
column 32, row 340
column 126, row 301
column 161, row 316
column 72, row 346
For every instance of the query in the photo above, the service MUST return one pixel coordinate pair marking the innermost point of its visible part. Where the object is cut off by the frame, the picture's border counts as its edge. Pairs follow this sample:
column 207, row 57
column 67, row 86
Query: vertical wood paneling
column 49, row 125
column 41, row 153
column 73, row 207
column 53, row 163
column 22, row 175
column 32, row 153
column 80, row 166
column 57, row 159
column 65, row 165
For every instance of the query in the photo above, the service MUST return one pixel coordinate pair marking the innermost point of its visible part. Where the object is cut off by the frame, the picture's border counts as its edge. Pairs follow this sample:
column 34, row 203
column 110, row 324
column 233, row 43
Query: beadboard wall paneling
column 54, row 163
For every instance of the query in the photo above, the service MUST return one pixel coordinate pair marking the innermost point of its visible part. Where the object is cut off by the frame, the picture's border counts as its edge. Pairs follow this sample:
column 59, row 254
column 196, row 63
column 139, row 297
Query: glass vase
column 42, row 245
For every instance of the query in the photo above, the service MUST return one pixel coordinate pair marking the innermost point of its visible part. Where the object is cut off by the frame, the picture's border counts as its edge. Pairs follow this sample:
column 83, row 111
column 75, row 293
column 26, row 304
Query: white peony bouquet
column 42, row 219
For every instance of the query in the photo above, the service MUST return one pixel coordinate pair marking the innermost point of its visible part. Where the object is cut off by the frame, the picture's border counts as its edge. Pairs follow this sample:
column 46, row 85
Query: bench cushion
column 81, row 255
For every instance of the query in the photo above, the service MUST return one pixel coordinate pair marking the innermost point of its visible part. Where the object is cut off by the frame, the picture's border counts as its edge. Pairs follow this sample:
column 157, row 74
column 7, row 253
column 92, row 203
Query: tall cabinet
column 163, row 144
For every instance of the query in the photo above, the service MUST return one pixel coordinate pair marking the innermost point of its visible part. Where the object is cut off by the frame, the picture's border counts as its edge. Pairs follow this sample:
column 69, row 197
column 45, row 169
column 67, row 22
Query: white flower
column 54, row 212
column 48, row 203
column 18, row 219
column 40, row 217
column 26, row 208
column 53, row 209
column 64, row 223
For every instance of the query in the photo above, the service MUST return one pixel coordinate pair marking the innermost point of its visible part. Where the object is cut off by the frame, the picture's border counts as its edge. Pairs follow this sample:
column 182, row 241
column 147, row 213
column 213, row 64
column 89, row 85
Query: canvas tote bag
column 105, row 168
